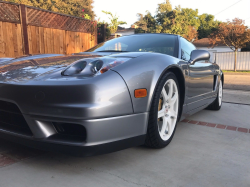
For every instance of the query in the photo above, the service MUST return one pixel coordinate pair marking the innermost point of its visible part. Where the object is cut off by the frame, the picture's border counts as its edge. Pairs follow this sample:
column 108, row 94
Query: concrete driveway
column 208, row 149
column 237, row 81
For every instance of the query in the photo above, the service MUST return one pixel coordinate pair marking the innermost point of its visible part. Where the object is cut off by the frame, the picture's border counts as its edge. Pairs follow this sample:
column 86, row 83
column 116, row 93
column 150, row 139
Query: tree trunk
column 235, row 59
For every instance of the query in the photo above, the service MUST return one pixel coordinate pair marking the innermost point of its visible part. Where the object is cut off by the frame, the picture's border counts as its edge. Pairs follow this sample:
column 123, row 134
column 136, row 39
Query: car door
column 200, row 79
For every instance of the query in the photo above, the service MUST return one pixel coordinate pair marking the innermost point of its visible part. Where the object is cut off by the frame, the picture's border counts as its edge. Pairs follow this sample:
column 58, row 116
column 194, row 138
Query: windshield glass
column 158, row 43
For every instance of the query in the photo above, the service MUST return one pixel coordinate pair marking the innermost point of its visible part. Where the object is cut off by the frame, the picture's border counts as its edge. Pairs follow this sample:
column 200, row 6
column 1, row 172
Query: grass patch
column 226, row 71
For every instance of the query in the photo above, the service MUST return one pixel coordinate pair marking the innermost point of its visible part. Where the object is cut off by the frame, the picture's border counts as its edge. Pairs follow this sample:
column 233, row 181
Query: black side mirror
column 198, row 55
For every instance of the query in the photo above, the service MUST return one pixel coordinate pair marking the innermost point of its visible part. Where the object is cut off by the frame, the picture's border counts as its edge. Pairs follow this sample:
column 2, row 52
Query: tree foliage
column 114, row 23
column 233, row 33
column 141, row 23
column 182, row 21
column 207, row 25
column 71, row 7
column 146, row 23
column 192, row 34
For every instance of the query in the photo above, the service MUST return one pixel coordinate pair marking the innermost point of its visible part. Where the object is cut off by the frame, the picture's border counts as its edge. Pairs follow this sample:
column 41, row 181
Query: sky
column 127, row 9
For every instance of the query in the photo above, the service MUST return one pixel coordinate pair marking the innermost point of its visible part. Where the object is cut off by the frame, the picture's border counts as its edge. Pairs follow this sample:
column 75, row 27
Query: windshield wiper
column 112, row 51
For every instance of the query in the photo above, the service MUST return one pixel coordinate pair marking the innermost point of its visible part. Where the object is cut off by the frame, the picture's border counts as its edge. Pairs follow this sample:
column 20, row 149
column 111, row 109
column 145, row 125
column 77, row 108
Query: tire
column 164, row 112
column 216, row 105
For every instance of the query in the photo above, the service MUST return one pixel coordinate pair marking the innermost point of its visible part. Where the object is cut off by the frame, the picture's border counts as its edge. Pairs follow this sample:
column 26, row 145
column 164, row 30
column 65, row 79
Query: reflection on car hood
column 21, row 70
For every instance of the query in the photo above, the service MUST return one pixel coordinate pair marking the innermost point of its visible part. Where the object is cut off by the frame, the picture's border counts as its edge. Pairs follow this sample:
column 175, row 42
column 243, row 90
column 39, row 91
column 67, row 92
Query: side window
column 186, row 49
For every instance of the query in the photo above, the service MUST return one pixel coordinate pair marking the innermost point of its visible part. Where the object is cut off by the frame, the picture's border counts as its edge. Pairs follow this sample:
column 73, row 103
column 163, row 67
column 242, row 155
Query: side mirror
column 198, row 55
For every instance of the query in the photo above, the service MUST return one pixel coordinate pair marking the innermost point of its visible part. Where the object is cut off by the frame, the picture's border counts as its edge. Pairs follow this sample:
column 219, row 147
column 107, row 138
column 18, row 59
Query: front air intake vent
column 9, row 107
column 12, row 120
column 69, row 132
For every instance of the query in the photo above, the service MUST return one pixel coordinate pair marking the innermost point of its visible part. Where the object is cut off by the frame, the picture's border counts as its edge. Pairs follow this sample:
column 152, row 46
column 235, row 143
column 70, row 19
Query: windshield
column 158, row 43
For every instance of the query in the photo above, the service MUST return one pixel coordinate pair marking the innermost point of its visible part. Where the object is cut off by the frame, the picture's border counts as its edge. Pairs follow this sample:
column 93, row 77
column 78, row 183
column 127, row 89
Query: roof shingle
column 204, row 42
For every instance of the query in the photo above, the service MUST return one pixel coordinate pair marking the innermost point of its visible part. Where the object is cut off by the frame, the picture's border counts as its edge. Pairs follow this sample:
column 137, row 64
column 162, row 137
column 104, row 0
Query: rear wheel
column 216, row 105
column 164, row 112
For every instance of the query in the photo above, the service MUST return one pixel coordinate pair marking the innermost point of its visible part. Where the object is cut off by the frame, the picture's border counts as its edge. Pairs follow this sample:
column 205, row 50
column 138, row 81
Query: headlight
column 90, row 67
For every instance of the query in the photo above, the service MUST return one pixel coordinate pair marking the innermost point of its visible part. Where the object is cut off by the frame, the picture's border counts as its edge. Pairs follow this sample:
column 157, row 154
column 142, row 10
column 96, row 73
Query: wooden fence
column 28, row 30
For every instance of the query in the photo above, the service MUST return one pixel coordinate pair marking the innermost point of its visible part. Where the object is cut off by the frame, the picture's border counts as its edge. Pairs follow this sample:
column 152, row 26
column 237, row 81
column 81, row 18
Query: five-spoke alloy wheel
column 168, row 109
column 164, row 112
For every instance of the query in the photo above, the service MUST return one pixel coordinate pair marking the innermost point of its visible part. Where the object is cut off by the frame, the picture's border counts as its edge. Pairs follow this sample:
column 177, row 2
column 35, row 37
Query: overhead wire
column 228, row 7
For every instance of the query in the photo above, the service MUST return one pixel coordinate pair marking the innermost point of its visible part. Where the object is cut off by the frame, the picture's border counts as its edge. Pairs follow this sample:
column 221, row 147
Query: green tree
column 146, row 23
column 181, row 21
column 113, row 26
column 141, row 23
column 207, row 25
column 71, row 7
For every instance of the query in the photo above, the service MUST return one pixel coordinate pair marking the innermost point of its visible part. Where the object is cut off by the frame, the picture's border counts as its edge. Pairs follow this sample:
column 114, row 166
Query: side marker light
column 139, row 93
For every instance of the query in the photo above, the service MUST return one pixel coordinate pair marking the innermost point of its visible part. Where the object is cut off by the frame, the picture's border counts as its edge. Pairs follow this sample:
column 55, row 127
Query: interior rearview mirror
column 198, row 55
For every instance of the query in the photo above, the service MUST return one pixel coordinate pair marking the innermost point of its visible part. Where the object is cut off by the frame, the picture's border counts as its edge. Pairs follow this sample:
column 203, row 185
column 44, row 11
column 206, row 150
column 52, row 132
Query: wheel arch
column 181, row 81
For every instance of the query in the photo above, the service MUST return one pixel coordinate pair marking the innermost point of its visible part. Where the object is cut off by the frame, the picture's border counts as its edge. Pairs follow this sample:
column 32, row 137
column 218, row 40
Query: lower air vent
column 69, row 132
column 12, row 120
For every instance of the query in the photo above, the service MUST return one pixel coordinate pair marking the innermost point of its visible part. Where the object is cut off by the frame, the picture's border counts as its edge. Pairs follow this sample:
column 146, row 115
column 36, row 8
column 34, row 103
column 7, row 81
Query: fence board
column 49, row 40
column 82, row 42
column 41, row 40
column 34, row 40
column 2, row 48
column 55, row 39
column 14, row 30
column 29, row 39
column 72, row 41
column 8, row 38
column 37, row 40
column 19, row 40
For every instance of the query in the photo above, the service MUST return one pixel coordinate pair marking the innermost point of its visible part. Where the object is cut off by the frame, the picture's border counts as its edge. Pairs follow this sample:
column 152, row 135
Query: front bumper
column 77, row 150
column 102, row 135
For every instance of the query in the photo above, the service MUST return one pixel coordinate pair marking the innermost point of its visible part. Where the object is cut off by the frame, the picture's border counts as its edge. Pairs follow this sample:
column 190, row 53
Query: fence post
column 104, row 32
column 23, row 17
column 96, row 34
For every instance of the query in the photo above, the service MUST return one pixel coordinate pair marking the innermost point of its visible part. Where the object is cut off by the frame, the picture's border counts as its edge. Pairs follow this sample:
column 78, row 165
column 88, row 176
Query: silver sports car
column 125, row 92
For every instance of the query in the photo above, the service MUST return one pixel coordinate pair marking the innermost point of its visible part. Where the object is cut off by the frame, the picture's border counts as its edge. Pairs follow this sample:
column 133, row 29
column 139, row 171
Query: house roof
column 204, row 42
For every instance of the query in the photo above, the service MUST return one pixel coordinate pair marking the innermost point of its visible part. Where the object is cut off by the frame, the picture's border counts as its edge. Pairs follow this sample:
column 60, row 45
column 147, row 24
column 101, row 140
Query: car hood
column 24, row 69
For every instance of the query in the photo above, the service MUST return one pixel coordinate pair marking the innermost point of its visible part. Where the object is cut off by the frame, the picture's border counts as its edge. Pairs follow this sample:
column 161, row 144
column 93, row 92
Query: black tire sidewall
column 154, row 109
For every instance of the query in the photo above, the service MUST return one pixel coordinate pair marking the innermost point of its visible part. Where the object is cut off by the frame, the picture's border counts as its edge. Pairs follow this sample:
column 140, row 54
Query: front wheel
column 164, row 112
